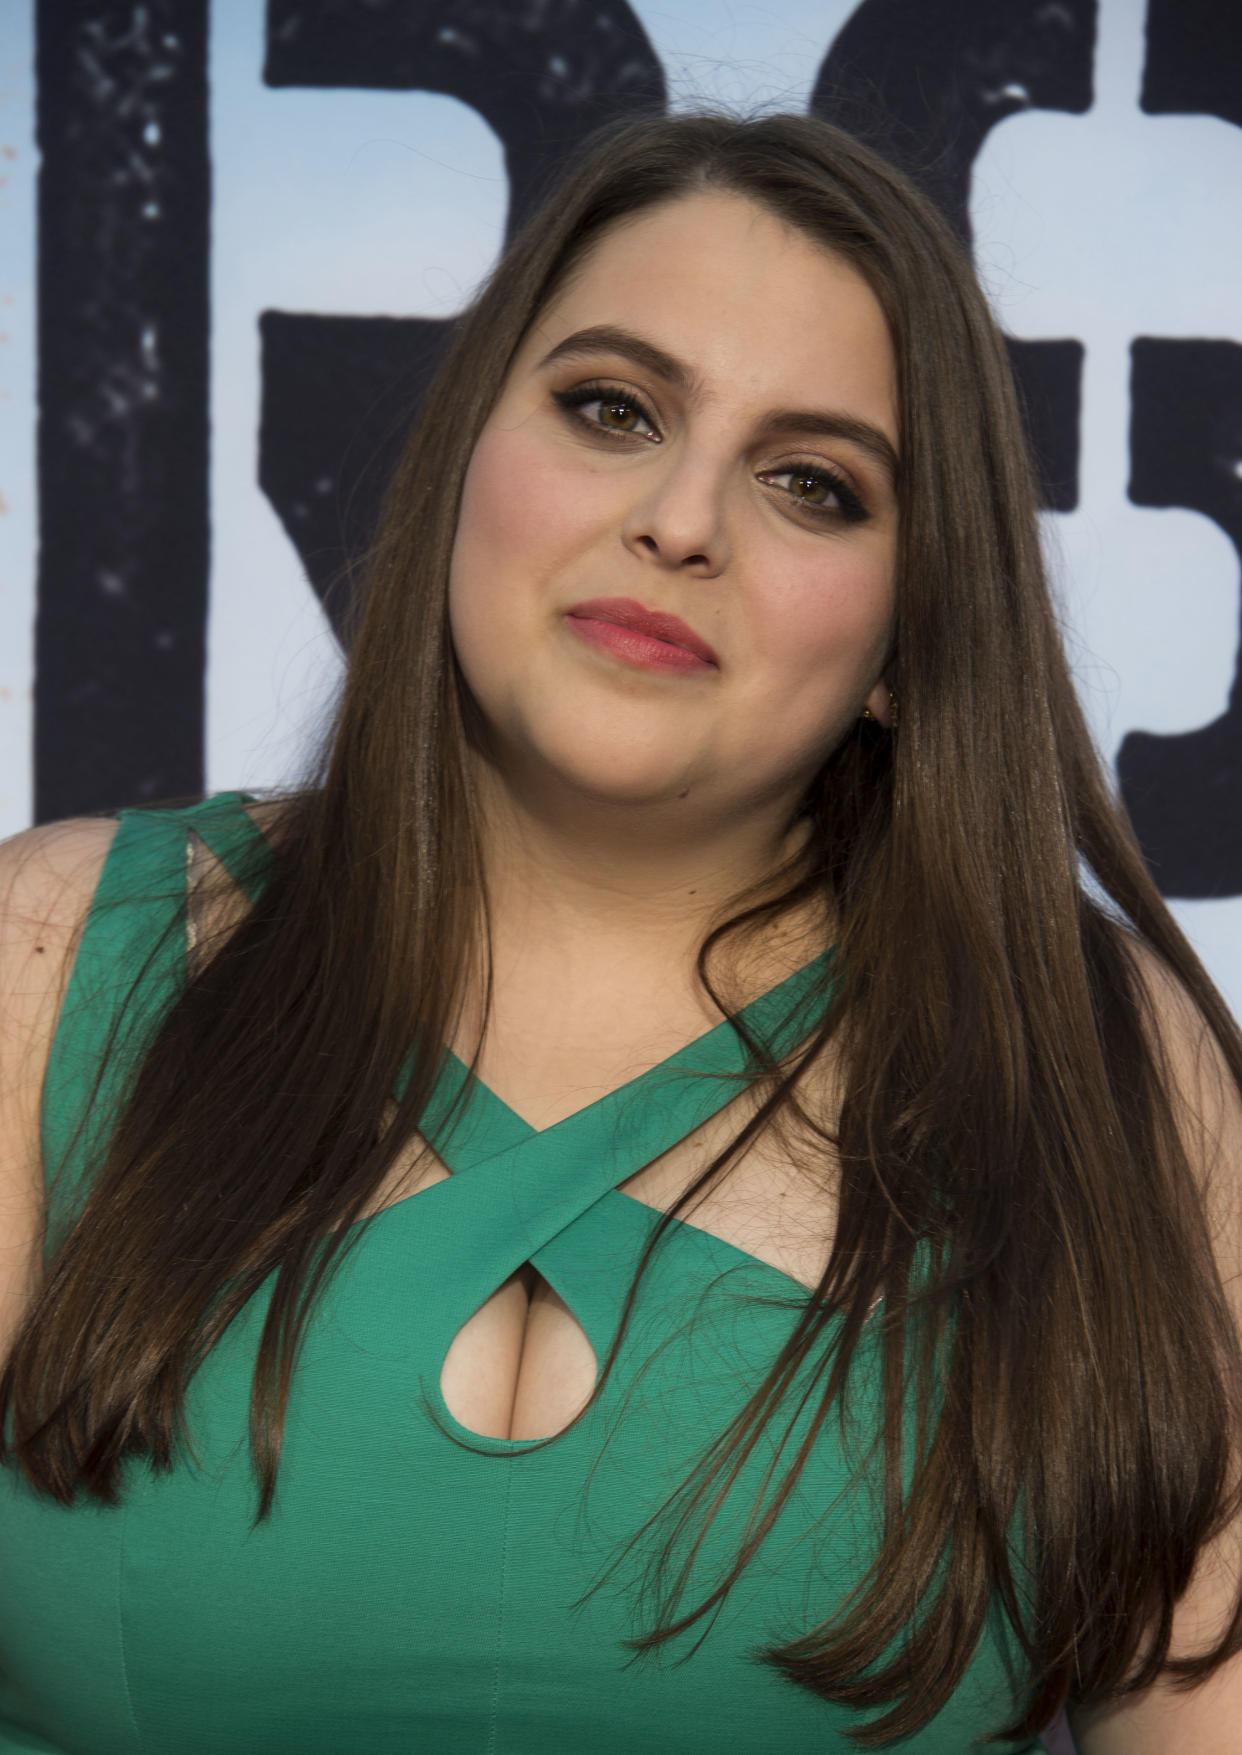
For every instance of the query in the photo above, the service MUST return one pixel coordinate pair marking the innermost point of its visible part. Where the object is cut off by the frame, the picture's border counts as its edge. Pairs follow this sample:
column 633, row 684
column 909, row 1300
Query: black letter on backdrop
column 1184, row 791
column 122, row 446
column 1193, row 66
column 924, row 85
column 339, row 393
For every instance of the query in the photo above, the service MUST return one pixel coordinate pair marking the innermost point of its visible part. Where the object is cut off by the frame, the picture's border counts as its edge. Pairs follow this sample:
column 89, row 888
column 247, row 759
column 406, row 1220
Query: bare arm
column 1208, row 1719
column 47, row 878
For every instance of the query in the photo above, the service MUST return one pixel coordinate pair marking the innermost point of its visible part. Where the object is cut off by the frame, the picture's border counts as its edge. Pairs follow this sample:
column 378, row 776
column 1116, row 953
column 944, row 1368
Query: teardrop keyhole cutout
column 521, row 1367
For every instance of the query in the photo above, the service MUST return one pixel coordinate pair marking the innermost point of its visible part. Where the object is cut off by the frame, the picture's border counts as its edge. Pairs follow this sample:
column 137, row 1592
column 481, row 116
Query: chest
column 522, row 1366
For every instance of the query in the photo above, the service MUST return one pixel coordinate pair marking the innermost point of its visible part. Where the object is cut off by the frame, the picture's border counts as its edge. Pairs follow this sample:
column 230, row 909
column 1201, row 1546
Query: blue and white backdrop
column 232, row 237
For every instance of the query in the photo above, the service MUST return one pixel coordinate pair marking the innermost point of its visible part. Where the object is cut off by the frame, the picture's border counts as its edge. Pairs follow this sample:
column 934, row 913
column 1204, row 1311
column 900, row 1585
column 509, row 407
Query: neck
column 580, row 887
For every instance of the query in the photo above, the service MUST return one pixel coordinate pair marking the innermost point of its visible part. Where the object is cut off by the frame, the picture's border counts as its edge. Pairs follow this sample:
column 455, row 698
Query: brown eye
column 622, row 417
column 812, row 490
column 602, row 409
column 818, row 491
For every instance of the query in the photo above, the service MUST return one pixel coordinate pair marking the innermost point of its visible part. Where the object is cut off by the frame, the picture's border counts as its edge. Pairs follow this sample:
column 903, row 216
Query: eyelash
column 572, row 402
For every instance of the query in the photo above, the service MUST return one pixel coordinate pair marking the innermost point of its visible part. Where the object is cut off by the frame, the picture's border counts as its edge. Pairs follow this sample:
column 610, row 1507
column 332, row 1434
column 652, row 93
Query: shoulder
column 47, row 878
column 1171, row 1014
column 1200, row 1067
column 1197, row 1065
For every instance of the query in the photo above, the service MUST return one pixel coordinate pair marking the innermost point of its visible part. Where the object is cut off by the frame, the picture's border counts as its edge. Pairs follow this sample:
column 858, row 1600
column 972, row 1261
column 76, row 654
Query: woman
column 805, row 1325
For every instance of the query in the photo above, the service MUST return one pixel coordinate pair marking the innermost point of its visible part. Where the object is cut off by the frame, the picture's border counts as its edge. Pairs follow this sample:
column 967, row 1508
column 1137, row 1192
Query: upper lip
column 656, row 623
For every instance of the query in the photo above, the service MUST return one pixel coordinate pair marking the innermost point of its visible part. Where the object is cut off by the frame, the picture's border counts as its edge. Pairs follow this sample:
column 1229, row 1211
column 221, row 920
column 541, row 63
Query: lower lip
column 635, row 648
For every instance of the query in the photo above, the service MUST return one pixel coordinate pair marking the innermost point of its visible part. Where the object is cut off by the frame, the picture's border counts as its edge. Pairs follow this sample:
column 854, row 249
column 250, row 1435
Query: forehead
column 740, row 297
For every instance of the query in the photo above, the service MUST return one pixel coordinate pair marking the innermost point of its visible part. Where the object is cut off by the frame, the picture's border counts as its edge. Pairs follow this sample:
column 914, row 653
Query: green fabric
column 415, row 1587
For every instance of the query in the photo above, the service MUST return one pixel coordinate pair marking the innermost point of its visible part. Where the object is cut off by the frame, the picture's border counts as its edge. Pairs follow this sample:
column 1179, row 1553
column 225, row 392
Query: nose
column 678, row 521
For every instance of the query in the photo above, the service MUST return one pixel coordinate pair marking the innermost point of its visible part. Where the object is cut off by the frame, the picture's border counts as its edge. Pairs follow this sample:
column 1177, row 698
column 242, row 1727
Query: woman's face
column 698, row 427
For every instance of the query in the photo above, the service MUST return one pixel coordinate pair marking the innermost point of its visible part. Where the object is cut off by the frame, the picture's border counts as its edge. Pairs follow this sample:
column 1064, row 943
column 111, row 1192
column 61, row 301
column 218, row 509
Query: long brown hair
column 1011, row 1175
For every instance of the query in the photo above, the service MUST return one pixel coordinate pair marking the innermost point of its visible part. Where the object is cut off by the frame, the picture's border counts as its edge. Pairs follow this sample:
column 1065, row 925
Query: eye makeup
column 817, row 476
column 624, row 406
column 611, row 398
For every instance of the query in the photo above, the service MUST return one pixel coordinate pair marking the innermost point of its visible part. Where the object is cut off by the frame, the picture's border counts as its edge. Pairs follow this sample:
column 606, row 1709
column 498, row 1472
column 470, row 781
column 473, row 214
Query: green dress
column 418, row 1588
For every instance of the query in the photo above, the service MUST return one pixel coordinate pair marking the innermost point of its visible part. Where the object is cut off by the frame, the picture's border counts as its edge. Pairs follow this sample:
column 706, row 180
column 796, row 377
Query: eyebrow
column 811, row 423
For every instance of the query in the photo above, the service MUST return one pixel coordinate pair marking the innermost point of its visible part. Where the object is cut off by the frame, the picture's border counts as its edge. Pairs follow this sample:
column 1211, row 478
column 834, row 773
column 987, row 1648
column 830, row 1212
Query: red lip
column 624, row 612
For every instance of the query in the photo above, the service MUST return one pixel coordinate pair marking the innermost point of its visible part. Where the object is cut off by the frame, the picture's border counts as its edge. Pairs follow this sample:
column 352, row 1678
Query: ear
column 880, row 704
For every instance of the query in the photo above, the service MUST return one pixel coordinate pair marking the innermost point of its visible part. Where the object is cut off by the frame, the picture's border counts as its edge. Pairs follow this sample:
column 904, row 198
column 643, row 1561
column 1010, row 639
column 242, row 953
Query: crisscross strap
column 516, row 1191
column 129, row 969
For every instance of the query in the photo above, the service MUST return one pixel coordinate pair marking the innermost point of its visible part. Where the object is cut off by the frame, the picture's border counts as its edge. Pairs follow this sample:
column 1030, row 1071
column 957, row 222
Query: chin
column 619, row 783
column 604, row 770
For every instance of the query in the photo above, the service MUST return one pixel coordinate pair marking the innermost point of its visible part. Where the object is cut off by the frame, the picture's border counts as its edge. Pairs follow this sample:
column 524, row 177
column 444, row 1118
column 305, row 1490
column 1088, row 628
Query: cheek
column 521, row 514
column 832, row 625
column 498, row 530
column 495, row 520
column 524, row 518
column 821, row 634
